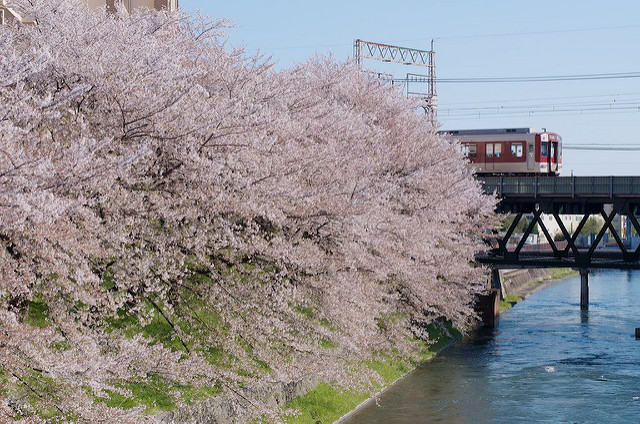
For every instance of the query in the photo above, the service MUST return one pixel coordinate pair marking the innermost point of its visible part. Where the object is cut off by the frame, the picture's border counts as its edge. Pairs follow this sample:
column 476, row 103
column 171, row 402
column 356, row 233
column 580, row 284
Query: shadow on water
column 482, row 335
column 584, row 315
column 437, row 391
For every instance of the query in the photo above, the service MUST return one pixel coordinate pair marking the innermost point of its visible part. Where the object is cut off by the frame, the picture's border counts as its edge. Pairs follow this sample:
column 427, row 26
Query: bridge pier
column 584, row 288
column 496, row 282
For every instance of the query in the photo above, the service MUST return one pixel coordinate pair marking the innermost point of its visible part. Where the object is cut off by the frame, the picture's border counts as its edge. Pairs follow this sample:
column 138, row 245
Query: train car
column 511, row 151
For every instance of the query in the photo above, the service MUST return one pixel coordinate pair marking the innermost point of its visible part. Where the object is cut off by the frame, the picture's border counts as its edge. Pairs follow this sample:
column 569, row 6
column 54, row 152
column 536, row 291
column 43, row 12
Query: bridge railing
column 535, row 187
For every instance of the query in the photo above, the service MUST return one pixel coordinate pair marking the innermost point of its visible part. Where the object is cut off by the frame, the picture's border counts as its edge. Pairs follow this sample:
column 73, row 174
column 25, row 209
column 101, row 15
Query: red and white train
column 511, row 151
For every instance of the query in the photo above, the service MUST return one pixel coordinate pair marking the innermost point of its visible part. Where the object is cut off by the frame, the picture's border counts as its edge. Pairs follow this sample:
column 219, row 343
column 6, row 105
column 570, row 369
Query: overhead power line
column 451, row 37
column 548, row 110
column 618, row 75
column 544, row 32
column 601, row 147
column 556, row 106
column 613, row 97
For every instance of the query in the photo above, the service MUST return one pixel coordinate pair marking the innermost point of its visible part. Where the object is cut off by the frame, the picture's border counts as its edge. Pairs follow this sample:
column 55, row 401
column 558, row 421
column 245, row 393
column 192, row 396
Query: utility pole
column 432, row 96
column 406, row 56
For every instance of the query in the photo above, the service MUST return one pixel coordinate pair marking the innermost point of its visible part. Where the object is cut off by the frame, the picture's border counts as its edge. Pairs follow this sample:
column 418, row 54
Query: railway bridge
column 616, row 199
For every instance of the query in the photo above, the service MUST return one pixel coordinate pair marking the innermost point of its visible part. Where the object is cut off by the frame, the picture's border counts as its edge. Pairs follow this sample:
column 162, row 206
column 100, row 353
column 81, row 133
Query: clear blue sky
column 480, row 39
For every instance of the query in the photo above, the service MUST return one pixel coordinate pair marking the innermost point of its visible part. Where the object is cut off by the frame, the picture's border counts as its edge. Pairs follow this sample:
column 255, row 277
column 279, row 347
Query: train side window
column 516, row 150
column 469, row 150
column 489, row 150
column 497, row 149
column 473, row 150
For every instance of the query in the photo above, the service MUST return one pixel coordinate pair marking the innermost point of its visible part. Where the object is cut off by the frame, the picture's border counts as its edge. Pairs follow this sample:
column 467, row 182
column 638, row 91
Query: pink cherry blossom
column 140, row 152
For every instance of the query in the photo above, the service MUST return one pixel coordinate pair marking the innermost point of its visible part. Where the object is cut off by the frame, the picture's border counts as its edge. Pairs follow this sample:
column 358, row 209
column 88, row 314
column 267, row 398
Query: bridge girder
column 537, row 196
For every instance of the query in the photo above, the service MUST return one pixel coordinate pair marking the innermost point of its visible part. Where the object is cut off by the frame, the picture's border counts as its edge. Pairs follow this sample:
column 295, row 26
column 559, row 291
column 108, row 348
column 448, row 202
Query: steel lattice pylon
column 406, row 56
column 387, row 53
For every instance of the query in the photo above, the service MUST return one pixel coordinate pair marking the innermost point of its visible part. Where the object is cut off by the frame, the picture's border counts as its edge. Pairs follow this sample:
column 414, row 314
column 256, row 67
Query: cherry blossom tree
column 174, row 209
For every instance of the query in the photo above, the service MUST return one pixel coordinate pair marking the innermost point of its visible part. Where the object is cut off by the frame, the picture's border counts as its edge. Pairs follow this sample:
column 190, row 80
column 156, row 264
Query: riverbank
column 518, row 284
column 442, row 344
column 524, row 282
column 553, row 352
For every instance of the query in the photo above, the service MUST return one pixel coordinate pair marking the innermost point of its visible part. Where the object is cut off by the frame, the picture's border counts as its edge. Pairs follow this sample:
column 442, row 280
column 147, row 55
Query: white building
column 133, row 4
column 8, row 14
column 570, row 222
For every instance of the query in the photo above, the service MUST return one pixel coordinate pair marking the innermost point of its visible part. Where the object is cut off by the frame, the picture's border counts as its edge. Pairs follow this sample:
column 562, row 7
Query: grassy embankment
column 324, row 403
column 327, row 402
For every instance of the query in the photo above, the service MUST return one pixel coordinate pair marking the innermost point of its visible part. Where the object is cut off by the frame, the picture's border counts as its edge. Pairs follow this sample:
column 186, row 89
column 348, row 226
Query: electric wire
column 601, row 147
column 554, row 106
column 548, row 78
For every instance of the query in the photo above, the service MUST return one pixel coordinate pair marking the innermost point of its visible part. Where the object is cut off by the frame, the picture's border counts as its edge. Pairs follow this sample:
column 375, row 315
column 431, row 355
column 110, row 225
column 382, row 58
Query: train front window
column 544, row 148
column 553, row 150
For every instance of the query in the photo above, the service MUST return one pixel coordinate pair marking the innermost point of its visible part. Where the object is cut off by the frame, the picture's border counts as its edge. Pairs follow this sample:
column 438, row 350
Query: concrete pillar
column 488, row 307
column 496, row 283
column 584, row 288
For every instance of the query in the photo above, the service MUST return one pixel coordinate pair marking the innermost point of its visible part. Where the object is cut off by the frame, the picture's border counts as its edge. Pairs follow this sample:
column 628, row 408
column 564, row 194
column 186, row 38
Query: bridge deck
column 563, row 187
column 572, row 195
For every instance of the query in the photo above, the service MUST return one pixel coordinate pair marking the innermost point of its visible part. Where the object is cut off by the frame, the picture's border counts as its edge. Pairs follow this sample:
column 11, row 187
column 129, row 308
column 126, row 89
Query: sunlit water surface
column 546, row 362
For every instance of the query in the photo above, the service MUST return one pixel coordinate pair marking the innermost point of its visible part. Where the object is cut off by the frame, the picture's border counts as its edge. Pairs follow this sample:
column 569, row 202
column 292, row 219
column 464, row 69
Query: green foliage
column 422, row 353
column 108, row 280
column 4, row 383
column 390, row 368
column 116, row 400
column 521, row 226
column 257, row 361
column 192, row 315
column 191, row 394
column 153, row 393
column 216, row 355
column 38, row 313
column 60, row 346
column 305, row 310
column 508, row 301
column 157, row 394
column 592, row 226
column 327, row 324
column 559, row 273
column 442, row 334
column 384, row 320
column 160, row 331
column 325, row 403
column 36, row 394
column 123, row 320
column 327, row 344
column 381, row 323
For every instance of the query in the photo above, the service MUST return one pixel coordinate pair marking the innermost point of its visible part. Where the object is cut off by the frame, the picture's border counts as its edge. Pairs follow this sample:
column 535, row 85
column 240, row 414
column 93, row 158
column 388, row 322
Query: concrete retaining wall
column 521, row 281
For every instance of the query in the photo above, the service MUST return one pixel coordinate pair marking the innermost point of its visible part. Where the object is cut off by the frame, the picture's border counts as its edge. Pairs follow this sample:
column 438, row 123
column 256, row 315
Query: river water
column 546, row 361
